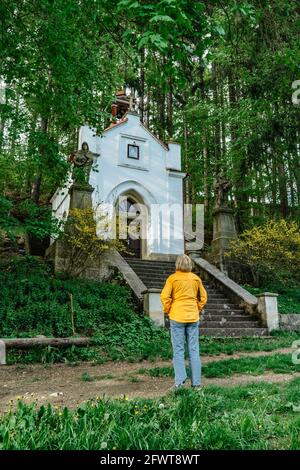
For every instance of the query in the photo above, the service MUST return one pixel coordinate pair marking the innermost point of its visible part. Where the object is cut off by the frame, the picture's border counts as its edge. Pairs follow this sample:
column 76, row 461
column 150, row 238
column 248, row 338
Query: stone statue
column 222, row 187
column 82, row 162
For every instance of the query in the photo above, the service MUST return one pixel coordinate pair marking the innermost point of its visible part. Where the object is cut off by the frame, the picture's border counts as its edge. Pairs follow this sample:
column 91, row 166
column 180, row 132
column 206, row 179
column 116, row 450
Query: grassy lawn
column 278, row 364
column 214, row 346
column 257, row 416
column 153, row 343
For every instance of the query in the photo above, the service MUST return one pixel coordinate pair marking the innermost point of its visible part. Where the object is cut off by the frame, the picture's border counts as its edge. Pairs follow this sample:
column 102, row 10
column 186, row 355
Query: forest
column 221, row 78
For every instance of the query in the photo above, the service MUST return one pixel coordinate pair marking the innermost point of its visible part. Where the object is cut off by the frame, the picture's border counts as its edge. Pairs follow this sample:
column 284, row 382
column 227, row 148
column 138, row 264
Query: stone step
column 153, row 267
column 151, row 264
column 227, row 318
column 218, row 311
column 229, row 324
column 218, row 296
column 234, row 332
column 222, row 305
column 223, row 301
column 161, row 276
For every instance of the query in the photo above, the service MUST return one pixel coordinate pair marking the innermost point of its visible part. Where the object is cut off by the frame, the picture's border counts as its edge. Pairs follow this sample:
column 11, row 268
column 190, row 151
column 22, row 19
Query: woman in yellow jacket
column 183, row 297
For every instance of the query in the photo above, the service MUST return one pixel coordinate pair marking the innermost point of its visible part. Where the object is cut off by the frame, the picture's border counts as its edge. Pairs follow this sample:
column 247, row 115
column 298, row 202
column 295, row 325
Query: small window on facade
column 133, row 151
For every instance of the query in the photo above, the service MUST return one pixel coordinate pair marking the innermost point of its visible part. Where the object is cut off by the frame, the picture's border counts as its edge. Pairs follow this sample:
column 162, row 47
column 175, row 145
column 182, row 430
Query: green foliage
column 34, row 302
column 150, row 345
column 258, row 416
column 28, row 218
column 86, row 377
column 39, row 303
column 271, row 252
column 84, row 245
column 214, row 346
column 8, row 223
column 277, row 363
column 288, row 298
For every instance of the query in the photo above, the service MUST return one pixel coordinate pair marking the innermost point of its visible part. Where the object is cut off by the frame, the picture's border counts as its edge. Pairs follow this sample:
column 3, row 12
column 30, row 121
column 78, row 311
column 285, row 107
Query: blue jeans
column 190, row 331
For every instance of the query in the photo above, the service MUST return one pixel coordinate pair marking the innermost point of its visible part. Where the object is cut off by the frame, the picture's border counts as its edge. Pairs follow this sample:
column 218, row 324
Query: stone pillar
column 223, row 228
column 223, row 232
column 2, row 353
column 267, row 307
column 80, row 196
column 153, row 306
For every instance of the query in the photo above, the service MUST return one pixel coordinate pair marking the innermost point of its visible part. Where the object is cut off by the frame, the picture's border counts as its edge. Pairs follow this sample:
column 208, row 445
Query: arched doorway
column 130, row 212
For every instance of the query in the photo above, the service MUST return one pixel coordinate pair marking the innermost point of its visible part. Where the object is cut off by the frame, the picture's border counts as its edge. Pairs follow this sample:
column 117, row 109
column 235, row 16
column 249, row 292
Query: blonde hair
column 184, row 263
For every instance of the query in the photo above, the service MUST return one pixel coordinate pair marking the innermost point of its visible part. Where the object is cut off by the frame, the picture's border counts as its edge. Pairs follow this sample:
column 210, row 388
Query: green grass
column 33, row 301
column 258, row 416
column 288, row 298
column 214, row 346
column 85, row 377
column 152, row 344
column 278, row 364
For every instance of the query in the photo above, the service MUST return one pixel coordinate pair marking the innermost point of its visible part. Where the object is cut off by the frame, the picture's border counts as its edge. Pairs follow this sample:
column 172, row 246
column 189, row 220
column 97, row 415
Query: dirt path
column 62, row 384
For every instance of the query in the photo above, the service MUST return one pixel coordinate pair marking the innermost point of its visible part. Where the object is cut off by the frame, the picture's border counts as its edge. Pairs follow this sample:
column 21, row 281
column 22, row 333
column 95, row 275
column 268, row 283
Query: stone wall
column 289, row 321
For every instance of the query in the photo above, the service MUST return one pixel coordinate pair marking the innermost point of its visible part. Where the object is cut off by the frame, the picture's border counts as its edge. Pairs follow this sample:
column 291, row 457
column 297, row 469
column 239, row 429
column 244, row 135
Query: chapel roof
column 125, row 119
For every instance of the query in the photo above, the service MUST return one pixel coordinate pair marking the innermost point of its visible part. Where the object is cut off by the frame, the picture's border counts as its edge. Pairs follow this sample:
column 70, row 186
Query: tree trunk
column 36, row 184
column 24, row 343
column 282, row 177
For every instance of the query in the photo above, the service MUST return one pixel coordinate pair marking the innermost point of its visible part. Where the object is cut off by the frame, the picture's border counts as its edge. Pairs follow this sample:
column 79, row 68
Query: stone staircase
column 221, row 317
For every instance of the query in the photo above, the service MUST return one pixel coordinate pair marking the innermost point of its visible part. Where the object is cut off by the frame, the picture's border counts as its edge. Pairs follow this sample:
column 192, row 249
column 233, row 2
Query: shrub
column 270, row 251
column 82, row 242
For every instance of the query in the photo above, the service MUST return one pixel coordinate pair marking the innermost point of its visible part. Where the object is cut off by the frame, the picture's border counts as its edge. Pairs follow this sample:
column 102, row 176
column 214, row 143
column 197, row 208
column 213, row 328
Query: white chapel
column 135, row 169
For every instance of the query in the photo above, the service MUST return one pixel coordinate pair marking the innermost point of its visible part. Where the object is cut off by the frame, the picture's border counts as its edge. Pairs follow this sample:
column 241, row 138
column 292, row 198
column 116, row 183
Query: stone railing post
column 153, row 306
column 2, row 353
column 267, row 308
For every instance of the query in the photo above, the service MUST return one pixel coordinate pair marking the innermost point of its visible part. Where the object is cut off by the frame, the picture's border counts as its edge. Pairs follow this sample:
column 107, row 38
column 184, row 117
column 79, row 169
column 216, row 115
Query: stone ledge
column 289, row 321
column 130, row 276
column 152, row 290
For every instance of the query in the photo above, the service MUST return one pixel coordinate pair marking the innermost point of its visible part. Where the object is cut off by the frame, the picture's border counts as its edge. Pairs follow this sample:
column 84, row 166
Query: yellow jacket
column 183, row 297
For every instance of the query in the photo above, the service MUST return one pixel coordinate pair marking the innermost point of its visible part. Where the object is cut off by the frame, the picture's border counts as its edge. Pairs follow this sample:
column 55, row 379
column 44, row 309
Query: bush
column 270, row 252
column 83, row 243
